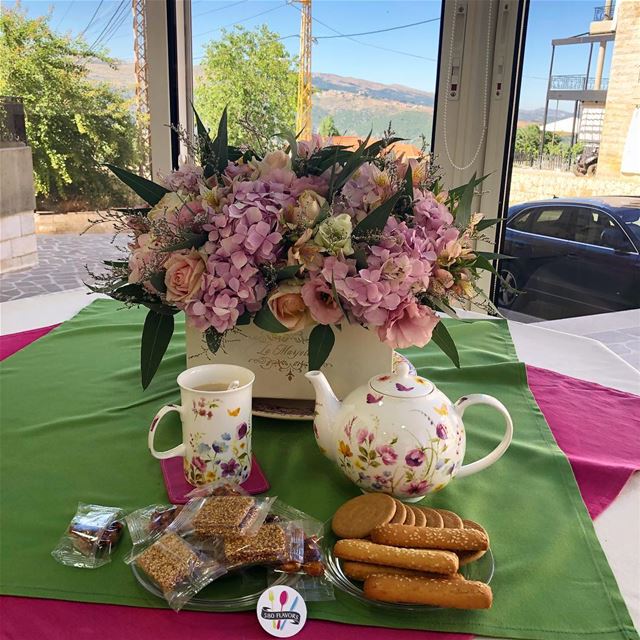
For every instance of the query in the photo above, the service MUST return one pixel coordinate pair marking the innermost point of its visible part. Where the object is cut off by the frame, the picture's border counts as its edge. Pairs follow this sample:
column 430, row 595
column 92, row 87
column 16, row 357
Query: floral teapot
column 399, row 434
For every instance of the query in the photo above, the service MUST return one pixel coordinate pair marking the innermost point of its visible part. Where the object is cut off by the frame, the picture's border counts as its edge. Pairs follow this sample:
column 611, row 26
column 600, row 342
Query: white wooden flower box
column 279, row 361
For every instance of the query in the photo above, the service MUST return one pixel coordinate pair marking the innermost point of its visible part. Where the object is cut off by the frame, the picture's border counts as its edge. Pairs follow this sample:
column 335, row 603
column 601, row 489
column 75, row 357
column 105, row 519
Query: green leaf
column 351, row 166
column 321, row 341
column 220, row 144
column 206, row 146
column 244, row 319
column 489, row 255
column 290, row 137
column 360, row 258
column 377, row 219
column 191, row 241
column 336, row 297
column 362, row 451
column 214, row 339
column 325, row 210
column 149, row 191
column 156, row 336
column 267, row 321
column 488, row 222
column 157, row 280
column 287, row 272
column 376, row 147
column 444, row 341
column 463, row 211
column 408, row 183
column 442, row 306
column 115, row 263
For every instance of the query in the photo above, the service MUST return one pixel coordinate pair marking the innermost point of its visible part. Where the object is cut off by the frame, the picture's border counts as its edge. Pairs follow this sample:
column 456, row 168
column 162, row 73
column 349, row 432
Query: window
column 590, row 226
column 521, row 221
column 555, row 223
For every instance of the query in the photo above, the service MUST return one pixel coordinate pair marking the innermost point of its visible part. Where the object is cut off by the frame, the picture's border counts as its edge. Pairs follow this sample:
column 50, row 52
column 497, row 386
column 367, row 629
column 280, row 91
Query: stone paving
column 62, row 264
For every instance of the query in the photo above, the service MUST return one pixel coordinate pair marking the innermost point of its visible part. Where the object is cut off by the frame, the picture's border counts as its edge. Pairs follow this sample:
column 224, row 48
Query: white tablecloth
column 618, row 528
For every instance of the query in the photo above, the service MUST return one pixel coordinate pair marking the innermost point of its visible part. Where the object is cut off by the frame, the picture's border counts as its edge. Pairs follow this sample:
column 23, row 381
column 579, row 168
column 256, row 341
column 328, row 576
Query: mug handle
column 171, row 453
column 480, row 398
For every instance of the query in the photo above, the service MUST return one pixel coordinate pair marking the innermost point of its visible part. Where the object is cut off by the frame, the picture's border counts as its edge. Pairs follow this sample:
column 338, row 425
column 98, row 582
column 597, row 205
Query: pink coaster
column 177, row 485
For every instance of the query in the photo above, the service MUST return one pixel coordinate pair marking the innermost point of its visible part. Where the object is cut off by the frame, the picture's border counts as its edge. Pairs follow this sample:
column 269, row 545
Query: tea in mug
column 213, row 386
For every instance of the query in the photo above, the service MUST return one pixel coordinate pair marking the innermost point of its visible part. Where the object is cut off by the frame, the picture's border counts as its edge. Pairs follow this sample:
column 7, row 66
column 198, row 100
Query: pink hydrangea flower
column 187, row 178
column 410, row 324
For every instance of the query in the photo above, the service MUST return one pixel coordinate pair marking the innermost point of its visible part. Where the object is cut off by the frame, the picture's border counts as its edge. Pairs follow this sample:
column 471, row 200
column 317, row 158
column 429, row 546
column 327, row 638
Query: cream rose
column 289, row 308
column 169, row 205
column 273, row 161
column 183, row 278
column 307, row 209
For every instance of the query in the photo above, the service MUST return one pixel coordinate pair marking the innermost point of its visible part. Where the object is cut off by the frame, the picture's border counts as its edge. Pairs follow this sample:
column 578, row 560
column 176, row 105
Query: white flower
column 334, row 234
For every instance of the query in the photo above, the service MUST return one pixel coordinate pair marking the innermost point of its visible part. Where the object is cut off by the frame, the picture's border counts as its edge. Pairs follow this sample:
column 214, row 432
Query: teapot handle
column 480, row 398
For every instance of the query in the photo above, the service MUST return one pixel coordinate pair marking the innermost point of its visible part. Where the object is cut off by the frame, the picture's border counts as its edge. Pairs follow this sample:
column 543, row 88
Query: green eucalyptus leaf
column 287, row 272
column 244, row 319
column 191, row 241
column 377, row 219
column 220, row 144
column 489, row 255
column 213, row 339
column 267, row 321
column 444, row 341
column 321, row 341
column 156, row 335
column 488, row 222
column 463, row 210
column 149, row 191
column 157, row 280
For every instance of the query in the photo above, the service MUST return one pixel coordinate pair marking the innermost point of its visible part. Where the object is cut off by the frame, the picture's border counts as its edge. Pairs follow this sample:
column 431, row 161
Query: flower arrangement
column 309, row 235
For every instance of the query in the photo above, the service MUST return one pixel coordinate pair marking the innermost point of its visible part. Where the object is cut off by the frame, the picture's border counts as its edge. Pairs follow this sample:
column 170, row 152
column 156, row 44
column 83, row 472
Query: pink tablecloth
column 584, row 417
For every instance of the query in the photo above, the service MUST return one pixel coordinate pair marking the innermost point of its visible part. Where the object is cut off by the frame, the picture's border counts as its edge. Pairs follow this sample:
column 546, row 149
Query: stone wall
column 623, row 94
column 536, row 184
column 18, row 248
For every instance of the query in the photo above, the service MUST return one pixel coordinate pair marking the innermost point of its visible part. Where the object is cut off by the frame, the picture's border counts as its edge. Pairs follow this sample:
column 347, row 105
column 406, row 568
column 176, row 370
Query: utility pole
column 303, row 111
column 142, row 86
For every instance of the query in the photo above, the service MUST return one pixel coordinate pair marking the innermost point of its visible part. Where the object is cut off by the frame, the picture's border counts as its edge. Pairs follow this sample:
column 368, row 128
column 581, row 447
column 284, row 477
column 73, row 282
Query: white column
column 158, row 77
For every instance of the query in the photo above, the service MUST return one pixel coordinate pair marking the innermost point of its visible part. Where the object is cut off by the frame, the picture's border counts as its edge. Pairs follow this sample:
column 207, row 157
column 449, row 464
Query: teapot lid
column 401, row 383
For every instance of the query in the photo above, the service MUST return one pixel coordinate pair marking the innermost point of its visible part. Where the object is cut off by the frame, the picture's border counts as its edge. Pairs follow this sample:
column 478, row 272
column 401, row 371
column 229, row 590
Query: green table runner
column 73, row 428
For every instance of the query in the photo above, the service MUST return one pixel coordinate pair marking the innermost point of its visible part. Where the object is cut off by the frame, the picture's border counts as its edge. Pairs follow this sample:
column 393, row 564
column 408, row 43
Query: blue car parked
column 574, row 256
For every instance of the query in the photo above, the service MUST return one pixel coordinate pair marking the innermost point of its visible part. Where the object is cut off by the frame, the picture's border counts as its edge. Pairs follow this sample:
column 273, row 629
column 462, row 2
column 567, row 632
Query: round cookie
column 358, row 516
column 421, row 518
column 400, row 514
column 471, row 556
column 451, row 520
column 434, row 519
column 411, row 516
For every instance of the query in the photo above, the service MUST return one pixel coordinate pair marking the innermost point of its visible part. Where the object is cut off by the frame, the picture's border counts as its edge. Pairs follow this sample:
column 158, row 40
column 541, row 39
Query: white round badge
column 281, row 611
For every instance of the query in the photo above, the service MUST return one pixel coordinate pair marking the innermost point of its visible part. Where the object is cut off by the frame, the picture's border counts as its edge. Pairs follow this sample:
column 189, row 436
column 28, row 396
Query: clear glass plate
column 235, row 591
column 481, row 570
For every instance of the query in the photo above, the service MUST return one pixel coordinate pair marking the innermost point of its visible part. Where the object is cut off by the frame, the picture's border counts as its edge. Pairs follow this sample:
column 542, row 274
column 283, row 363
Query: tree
column 252, row 74
column 328, row 127
column 73, row 125
column 528, row 141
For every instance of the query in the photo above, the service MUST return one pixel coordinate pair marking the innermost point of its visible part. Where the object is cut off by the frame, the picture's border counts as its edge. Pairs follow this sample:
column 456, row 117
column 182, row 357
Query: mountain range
column 356, row 105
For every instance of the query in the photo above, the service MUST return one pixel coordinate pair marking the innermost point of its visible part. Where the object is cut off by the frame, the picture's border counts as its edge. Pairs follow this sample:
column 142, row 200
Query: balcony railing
column 577, row 83
column 603, row 13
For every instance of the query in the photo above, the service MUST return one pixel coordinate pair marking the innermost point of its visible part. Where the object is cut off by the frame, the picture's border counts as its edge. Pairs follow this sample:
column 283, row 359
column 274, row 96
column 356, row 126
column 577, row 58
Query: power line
column 226, row 6
column 231, row 24
column 366, row 33
column 108, row 37
column 66, row 13
column 93, row 17
column 367, row 44
column 117, row 17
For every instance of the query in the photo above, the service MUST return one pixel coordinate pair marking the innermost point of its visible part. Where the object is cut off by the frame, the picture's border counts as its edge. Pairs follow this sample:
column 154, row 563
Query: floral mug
column 216, row 423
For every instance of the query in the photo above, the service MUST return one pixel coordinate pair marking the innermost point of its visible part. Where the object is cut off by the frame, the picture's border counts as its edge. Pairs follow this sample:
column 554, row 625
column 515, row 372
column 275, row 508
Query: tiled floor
column 62, row 264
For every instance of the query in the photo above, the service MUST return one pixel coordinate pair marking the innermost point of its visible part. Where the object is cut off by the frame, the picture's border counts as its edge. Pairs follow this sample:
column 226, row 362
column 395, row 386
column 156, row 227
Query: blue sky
column 406, row 56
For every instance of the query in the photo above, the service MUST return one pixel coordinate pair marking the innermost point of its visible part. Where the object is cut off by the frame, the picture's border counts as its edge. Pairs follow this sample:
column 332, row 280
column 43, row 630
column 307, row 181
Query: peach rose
column 184, row 275
column 289, row 308
column 306, row 210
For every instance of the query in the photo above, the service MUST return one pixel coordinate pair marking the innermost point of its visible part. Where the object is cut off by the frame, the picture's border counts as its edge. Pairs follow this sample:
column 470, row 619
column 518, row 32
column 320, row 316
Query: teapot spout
column 326, row 412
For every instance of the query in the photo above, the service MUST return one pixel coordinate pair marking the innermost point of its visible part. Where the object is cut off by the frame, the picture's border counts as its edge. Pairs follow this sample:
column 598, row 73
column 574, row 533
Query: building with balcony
column 603, row 112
